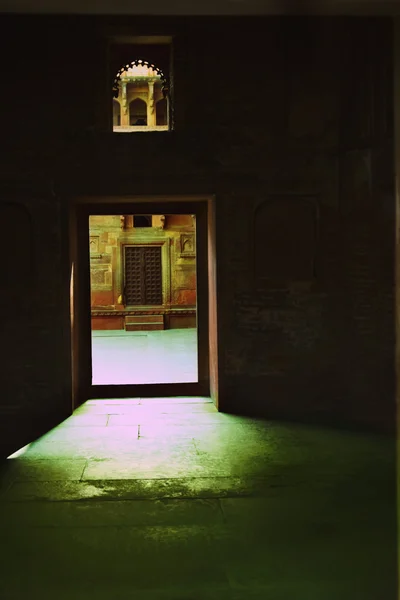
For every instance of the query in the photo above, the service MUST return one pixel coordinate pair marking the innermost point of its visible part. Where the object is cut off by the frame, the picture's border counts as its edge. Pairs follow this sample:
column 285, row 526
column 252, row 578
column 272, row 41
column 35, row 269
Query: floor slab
column 174, row 501
column 85, row 558
column 115, row 513
column 46, row 469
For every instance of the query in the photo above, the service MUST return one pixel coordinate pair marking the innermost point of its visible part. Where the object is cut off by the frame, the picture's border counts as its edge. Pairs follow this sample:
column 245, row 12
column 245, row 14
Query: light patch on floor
column 168, row 499
column 143, row 357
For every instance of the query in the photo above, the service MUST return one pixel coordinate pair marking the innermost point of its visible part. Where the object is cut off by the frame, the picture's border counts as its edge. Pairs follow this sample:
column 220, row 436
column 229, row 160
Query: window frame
column 147, row 49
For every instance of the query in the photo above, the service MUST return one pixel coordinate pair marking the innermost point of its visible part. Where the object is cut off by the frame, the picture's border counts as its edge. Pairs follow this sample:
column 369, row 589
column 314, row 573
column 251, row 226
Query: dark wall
column 289, row 123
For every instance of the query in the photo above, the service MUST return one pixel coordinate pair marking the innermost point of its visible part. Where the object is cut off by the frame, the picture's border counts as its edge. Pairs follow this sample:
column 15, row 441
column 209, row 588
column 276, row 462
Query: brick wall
column 106, row 265
column 263, row 108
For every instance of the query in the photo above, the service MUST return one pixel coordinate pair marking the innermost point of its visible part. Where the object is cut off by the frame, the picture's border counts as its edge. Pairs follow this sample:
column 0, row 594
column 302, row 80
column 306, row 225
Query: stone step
column 144, row 323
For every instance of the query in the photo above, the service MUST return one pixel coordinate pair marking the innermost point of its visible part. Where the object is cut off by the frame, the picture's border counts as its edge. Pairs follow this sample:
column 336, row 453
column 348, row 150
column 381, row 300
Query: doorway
column 143, row 298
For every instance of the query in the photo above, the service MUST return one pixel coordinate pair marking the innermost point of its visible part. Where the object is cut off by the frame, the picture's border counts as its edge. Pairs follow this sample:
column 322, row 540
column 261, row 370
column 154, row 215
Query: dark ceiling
column 201, row 7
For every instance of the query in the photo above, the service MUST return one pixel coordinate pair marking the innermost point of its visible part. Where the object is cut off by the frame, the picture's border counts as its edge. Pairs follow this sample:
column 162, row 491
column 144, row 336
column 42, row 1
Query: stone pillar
column 124, row 107
column 151, row 113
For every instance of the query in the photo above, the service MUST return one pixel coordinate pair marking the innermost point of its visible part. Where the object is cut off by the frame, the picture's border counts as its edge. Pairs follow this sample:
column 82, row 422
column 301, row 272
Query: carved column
column 124, row 107
column 151, row 113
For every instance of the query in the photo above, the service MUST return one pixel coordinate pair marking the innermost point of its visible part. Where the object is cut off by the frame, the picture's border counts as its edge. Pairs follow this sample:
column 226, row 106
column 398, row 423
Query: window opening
column 140, row 91
column 137, row 113
column 142, row 220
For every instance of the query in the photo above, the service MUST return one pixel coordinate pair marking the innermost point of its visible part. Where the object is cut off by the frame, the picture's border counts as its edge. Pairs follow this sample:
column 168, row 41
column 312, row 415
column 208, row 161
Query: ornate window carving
column 140, row 89
column 188, row 245
column 143, row 69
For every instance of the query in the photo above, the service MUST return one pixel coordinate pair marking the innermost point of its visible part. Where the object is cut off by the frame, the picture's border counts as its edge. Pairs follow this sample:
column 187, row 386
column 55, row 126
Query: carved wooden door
column 143, row 275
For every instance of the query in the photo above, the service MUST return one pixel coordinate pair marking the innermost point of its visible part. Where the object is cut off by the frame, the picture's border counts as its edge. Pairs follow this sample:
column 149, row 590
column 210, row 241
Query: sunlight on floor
column 144, row 497
column 123, row 420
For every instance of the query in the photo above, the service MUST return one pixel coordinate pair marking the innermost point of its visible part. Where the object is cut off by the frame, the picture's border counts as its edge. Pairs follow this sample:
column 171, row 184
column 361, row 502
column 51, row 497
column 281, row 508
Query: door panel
column 143, row 275
column 152, row 275
column 134, row 284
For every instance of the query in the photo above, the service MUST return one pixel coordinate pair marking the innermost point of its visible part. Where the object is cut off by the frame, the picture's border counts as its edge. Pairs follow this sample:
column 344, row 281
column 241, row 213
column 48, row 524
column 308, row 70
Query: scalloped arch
column 136, row 63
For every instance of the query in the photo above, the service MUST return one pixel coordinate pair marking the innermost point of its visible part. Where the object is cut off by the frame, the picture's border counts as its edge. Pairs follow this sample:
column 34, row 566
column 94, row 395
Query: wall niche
column 285, row 229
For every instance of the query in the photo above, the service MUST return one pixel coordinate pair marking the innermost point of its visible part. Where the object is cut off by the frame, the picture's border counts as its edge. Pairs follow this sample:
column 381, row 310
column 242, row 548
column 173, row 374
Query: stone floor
column 166, row 499
column 127, row 357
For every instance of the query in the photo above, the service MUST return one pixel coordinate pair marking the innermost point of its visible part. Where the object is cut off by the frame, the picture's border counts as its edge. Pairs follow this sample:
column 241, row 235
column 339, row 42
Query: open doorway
column 143, row 299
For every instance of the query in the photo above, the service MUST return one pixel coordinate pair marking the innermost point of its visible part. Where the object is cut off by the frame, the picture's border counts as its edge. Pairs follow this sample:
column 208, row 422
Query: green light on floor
column 19, row 452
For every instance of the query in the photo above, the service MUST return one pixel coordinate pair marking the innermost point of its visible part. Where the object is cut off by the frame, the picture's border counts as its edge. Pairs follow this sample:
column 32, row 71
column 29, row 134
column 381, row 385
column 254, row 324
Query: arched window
column 161, row 112
column 137, row 112
column 140, row 89
column 116, row 113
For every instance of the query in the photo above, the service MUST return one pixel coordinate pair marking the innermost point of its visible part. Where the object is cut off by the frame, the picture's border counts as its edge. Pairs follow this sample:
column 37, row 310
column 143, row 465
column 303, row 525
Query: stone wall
column 107, row 235
column 266, row 111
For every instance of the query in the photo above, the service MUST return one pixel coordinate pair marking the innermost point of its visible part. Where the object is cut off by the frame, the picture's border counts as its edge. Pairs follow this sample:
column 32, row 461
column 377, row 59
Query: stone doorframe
column 203, row 208
column 396, row 86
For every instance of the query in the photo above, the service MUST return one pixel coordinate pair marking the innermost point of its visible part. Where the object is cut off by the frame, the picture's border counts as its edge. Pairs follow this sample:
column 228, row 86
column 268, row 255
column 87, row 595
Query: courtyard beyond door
column 144, row 357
